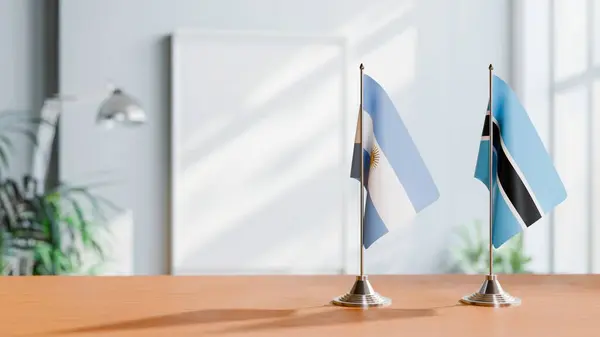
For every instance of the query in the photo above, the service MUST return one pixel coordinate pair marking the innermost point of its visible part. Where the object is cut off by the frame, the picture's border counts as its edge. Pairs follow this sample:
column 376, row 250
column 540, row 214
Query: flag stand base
column 361, row 295
column 491, row 294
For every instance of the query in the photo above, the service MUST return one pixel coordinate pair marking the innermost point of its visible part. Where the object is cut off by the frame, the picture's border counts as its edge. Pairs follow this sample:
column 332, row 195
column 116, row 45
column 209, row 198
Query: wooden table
column 290, row 306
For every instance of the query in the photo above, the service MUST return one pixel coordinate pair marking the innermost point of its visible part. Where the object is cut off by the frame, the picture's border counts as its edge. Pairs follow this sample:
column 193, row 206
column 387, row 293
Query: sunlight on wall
column 307, row 61
column 255, row 153
column 375, row 17
column 571, row 162
column 271, row 181
column 398, row 53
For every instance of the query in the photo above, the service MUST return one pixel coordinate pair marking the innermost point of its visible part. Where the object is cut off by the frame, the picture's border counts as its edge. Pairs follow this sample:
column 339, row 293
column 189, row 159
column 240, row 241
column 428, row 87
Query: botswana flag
column 526, row 185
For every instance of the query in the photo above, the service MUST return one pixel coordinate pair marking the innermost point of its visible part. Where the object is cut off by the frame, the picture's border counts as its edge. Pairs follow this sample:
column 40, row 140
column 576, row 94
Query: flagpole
column 491, row 172
column 490, row 293
column 362, row 294
column 362, row 177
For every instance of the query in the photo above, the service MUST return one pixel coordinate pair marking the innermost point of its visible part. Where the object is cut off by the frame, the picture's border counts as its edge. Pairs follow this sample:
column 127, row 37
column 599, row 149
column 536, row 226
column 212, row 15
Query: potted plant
column 57, row 228
column 472, row 256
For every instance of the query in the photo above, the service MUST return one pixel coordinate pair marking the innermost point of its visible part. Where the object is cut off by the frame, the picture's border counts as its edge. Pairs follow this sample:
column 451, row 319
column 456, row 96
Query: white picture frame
column 341, row 126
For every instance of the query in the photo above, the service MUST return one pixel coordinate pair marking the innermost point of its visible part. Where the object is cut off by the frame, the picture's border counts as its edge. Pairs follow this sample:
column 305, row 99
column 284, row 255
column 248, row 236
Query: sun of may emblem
column 374, row 156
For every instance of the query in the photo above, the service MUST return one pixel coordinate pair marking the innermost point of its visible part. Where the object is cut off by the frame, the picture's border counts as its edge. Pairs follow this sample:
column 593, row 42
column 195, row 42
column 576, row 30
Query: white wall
column 431, row 55
column 22, row 67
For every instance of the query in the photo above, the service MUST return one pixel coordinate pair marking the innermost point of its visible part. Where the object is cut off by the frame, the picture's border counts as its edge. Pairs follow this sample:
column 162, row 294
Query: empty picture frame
column 259, row 153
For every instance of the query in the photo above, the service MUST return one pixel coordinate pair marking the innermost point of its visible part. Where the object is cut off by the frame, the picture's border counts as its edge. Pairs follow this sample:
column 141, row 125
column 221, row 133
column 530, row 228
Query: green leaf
column 49, row 215
column 74, row 256
column 73, row 228
column 40, row 269
column 67, row 217
column 97, row 202
column 473, row 254
column 63, row 262
column 98, row 249
column 43, row 252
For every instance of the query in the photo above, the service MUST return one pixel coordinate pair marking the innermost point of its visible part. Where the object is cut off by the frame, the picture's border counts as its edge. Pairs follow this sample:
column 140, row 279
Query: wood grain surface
column 290, row 306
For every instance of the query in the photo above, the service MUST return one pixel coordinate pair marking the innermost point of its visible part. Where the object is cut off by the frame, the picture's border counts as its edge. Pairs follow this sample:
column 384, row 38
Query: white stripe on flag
column 388, row 194
column 510, row 205
column 519, row 173
column 367, row 132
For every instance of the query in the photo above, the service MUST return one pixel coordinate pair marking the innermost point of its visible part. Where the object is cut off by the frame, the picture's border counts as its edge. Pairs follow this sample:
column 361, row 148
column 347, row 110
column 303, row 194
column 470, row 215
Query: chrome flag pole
column 491, row 293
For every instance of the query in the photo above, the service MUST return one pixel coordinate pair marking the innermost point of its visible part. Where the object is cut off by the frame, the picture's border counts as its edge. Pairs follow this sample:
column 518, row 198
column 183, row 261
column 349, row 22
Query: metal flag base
column 362, row 295
column 491, row 294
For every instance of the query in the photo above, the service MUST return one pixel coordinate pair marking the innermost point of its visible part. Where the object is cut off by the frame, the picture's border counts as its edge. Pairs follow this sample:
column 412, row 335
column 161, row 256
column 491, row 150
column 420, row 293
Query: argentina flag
column 397, row 181
column 526, row 185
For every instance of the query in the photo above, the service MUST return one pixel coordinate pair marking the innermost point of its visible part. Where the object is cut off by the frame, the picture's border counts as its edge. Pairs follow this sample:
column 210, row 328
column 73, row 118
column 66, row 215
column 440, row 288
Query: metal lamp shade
column 120, row 108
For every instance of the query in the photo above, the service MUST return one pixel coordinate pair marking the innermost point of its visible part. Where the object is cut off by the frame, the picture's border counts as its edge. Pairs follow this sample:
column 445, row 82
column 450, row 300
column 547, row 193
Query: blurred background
column 238, row 159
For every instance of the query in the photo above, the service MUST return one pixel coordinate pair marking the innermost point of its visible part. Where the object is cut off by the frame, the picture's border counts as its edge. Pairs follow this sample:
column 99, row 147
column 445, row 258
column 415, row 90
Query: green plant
column 74, row 218
column 473, row 254
column 68, row 220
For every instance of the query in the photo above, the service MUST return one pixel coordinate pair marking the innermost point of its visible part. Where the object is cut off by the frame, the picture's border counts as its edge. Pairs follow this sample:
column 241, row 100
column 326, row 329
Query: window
column 556, row 67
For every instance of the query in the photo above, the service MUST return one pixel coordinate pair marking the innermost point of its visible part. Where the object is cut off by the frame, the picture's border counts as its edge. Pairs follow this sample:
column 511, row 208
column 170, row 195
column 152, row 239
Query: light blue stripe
column 374, row 226
column 505, row 224
column 482, row 169
column 396, row 144
column 526, row 147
